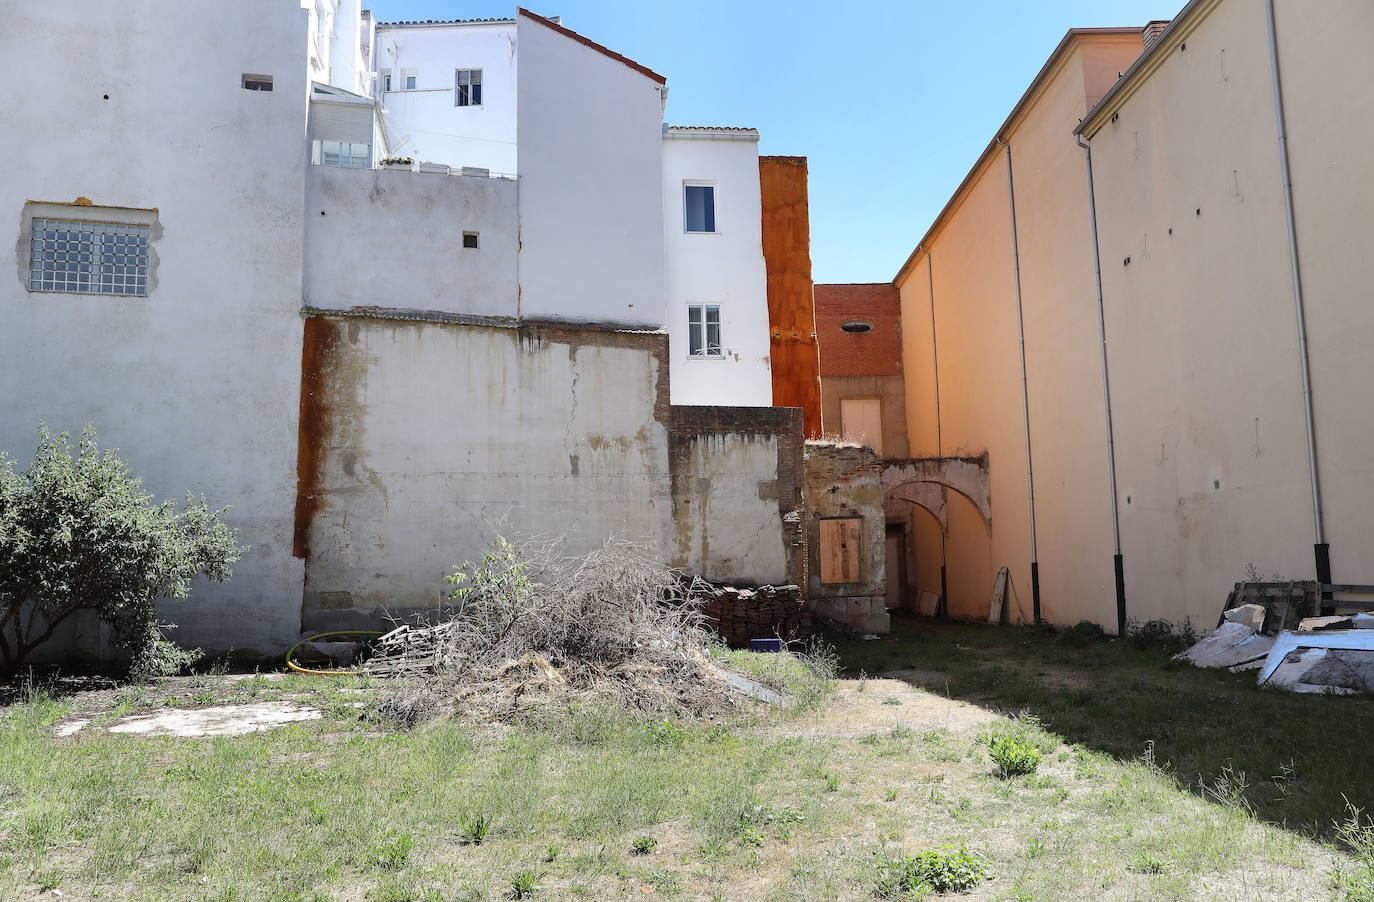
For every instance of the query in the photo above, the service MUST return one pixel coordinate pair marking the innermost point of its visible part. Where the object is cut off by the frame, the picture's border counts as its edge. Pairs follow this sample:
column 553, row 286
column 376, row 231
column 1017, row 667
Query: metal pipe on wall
column 939, row 439
column 1118, row 564
column 1321, row 550
column 1025, row 390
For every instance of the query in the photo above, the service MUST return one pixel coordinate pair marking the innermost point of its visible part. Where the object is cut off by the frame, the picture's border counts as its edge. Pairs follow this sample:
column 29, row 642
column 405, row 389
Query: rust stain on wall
column 320, row 340
column 791, row 308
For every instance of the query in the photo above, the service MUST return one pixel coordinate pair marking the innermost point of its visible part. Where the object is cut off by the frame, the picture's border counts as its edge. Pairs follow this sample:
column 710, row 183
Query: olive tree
column 78, row 533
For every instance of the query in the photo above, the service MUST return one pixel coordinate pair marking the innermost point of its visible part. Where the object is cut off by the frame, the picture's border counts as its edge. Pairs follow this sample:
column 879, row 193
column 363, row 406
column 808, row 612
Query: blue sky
column 892, row 101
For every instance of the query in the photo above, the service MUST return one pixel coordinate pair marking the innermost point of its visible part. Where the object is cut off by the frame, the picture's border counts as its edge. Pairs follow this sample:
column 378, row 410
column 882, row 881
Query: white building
column 372, row 367
column 450, row 95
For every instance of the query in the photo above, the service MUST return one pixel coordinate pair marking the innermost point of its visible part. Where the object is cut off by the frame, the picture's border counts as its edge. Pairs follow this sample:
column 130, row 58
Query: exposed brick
column 739, row 615
column 877, row 352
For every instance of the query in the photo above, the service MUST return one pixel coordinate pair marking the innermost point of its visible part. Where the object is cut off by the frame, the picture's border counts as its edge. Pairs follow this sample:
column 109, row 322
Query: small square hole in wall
column 256, row 82
column 470, row 239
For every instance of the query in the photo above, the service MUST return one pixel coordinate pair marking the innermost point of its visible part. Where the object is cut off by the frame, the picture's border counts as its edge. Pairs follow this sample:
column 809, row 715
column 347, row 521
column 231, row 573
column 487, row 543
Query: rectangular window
column 703, row 330
column 386, row 79
column 342, row 153
column 411, row 79
column 841, row 547
column 467, row 87
column 82, row 257
column 700, row 203
column 257, row 82
column 471, row 239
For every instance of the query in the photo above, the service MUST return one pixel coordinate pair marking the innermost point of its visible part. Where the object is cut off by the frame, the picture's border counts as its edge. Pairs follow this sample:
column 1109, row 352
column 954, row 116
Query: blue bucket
column 765, row 645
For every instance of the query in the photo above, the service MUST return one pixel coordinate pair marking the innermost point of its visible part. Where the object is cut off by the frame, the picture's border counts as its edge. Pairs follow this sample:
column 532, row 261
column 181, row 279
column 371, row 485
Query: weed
column 551, row 853
column 1149, row 864
column 525, row 883
column 474, row 828
column 643, row 845
column 943, row 870
column 892, row 700
column 665, row 732
column 1013, row 755
column 1356, row 833
column 890, row 795
column 1081, row 634
column 393, row 851
column 832, row 782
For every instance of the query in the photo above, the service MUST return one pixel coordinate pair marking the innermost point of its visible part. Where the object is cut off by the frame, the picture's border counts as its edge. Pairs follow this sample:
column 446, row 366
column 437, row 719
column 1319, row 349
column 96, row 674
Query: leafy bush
column 78, row 533
column 643, row 845
column 946, row 869
column 1014, row 755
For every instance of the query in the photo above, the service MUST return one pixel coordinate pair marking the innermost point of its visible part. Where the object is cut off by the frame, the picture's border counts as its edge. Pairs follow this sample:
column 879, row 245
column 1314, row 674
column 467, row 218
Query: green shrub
column 473, row 829
column 525, row 884
column 1084, row 632
column 1014, row 755
column 78, row 533
column 943, row 870
column 643, row 845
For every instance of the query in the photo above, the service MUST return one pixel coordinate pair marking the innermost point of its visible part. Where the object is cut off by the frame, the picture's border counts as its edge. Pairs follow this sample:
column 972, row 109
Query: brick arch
column 967, row 476
column 929, row 496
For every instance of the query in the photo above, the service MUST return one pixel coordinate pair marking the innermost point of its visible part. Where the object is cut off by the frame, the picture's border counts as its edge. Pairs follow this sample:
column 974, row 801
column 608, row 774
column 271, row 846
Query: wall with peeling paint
column 432, row 437
column 394, row 239
column 196, row 383
column 844, row 481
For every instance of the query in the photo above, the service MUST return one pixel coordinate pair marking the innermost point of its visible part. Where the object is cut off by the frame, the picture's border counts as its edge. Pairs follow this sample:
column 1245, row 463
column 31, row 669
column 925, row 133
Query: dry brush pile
column 531, row 623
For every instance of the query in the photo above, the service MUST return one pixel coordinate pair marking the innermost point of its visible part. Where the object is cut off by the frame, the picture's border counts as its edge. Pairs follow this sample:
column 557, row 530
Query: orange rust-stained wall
column 791, row 309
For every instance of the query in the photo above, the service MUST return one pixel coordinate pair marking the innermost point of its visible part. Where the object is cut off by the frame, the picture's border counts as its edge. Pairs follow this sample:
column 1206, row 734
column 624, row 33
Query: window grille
column 82, row 257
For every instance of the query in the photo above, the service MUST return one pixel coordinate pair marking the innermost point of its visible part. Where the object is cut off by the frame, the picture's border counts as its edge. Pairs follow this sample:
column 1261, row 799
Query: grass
column 848, row 798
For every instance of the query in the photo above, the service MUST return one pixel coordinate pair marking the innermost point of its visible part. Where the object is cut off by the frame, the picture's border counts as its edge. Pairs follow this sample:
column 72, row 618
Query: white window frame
column 347, row 160
column 385, row 75
column 406, row 76
column 715, row 207
column 700, row 312
column 457, row 74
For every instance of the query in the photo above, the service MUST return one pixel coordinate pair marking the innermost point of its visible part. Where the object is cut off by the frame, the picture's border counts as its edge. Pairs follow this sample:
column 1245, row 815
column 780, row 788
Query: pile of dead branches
column 530, row 624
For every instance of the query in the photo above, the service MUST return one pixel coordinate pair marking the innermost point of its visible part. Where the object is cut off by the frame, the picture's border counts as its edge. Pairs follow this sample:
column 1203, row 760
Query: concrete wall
column 1210, row 431
column 421, row 440
column 394, row 239
column 424, row 123
column 791, row 312
column 197, row 383
column 591, row 197
column 737, row 490
column 845, row 481
column 962, row 357
column 725, row 267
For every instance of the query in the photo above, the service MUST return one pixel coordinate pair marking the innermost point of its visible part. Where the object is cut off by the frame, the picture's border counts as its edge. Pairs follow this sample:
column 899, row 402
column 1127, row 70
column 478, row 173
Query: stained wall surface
column 791, row 309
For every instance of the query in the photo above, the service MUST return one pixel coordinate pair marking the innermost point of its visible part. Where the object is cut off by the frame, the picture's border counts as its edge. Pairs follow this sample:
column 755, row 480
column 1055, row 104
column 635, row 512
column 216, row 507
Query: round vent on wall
column 857, row 327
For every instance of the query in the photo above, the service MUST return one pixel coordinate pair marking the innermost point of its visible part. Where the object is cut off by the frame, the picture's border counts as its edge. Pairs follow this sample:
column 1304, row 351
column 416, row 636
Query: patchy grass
column 849, row 799
column 1300, row 758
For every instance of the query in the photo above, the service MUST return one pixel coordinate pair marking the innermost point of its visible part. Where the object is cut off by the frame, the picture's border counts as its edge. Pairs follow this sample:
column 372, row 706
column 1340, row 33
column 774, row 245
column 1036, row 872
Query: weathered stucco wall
column 791, row 311
column 390, row 239
column 195, row 384
column 737, row 488
column 421, row 440
column 845, row 481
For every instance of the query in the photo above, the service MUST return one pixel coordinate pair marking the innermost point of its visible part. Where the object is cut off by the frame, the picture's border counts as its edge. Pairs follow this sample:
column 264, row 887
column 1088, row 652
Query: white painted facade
column 721, row 268
column 425, row 122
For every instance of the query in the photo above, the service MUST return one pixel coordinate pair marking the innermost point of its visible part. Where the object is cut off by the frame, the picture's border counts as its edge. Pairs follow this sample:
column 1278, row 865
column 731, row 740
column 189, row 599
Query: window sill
column 692, row 232
column 707, row 357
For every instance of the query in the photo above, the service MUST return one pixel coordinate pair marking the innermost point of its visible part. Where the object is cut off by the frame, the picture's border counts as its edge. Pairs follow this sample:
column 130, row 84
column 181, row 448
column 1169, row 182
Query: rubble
column 740, row 615
column 1233, row 644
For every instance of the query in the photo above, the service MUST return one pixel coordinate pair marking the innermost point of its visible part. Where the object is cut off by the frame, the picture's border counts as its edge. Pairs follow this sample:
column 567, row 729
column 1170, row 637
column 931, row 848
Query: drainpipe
column 1025, row 390
column 939, row 442
column 1107, row 401
column 1321, row 550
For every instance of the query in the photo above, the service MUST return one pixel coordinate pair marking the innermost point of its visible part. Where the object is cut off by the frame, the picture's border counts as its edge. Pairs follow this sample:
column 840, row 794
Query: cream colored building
column 962, row 349
column 1197, row 347
column 1200, row 304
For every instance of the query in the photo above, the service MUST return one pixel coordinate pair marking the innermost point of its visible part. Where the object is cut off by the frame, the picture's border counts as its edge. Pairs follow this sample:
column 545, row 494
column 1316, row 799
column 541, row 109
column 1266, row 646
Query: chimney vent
column 1152, row 30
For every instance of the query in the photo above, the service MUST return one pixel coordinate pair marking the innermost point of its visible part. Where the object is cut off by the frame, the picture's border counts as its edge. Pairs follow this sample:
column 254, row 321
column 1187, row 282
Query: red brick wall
column 874, row 353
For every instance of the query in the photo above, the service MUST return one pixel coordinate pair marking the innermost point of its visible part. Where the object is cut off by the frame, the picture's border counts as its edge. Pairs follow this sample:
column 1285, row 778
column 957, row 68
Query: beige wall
column 1211, row 453
column 977, row 347
column 887, row 389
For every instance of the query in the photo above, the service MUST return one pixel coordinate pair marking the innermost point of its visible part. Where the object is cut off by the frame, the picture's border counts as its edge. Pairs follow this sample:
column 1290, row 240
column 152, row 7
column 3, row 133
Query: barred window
column 80, row 257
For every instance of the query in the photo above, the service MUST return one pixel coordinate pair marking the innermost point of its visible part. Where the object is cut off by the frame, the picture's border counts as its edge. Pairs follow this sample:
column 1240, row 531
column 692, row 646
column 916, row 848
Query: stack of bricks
column 739, row 615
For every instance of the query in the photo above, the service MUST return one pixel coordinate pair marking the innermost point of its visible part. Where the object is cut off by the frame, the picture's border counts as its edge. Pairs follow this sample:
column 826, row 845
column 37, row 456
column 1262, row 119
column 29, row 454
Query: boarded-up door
column 841, row 551
column 861, row 420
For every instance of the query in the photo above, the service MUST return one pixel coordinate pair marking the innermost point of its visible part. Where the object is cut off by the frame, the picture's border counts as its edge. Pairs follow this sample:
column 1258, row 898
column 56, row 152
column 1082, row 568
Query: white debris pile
column 1332, row 654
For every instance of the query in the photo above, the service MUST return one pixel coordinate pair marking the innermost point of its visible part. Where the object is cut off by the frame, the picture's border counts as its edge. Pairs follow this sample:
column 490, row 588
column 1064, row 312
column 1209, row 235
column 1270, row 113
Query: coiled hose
column 343, row 672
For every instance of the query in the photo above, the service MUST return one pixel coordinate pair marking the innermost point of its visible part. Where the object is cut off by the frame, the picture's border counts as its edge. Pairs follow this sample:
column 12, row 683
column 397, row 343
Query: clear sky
column 892, row 100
